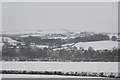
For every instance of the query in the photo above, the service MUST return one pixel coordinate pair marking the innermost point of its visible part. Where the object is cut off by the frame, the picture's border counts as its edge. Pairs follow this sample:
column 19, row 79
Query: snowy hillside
column 97, row 45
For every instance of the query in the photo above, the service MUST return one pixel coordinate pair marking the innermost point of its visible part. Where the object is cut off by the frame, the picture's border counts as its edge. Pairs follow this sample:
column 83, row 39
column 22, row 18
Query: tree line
column 71, row 54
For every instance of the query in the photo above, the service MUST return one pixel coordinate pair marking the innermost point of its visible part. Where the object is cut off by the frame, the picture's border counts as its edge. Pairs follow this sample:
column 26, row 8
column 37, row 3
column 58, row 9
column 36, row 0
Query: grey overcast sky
column 83, row 16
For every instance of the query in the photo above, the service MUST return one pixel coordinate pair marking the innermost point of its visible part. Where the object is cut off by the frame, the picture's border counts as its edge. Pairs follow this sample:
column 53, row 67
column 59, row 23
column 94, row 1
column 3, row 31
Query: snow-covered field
column 106, row 67
column 39, row 46
column 10, row 40
column 97, row 45
column 41, row 76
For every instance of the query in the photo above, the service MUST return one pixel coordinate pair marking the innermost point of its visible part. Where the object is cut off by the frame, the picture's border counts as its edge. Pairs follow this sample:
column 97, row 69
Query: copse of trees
column 40, row 41
column 94, row 37
column 114, row 38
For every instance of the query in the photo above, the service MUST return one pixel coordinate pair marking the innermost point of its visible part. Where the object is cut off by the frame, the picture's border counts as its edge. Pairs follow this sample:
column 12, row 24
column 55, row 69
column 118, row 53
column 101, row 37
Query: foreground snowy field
column 90, row 67
column 106, row 67
column 41, row 76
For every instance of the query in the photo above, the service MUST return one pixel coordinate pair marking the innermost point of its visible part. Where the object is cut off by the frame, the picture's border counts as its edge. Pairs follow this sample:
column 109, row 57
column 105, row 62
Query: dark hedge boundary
column 94, row 74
